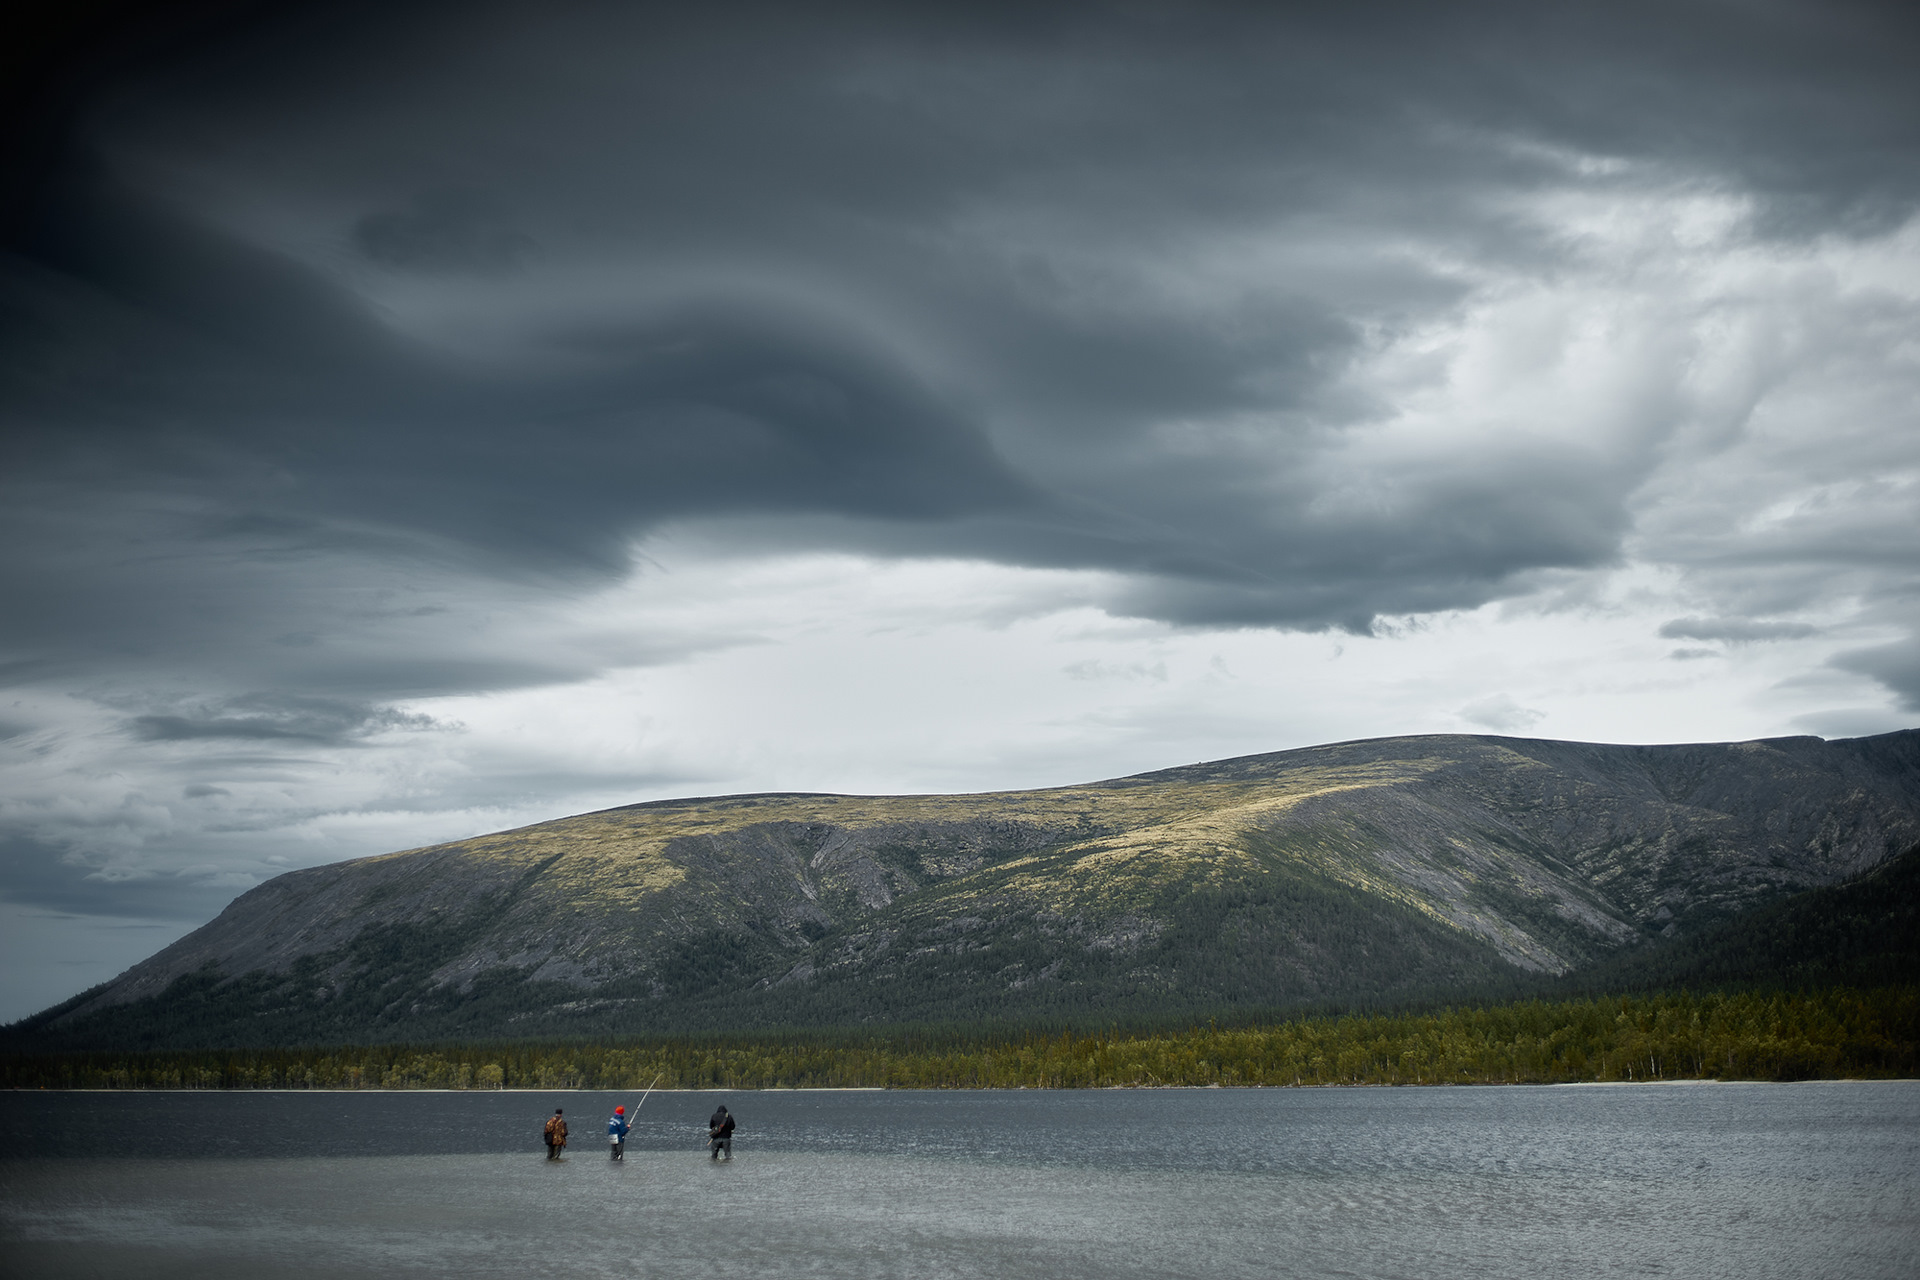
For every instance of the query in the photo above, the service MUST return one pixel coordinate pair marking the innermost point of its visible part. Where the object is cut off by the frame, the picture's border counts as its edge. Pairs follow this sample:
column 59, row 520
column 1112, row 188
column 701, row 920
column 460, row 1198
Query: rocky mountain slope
column 1361, row 872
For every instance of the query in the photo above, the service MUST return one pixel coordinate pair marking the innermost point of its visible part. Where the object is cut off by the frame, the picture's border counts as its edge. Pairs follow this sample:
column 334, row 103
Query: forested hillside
column 1861, row 934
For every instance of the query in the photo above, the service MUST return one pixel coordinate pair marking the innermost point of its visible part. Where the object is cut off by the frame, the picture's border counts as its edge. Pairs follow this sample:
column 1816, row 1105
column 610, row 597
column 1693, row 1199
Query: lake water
column 1745, row 1181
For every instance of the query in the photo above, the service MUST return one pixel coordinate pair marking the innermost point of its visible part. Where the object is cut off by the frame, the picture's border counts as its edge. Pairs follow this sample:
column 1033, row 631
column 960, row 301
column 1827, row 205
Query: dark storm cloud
column 220, row 368
column 441, row 231
column 975, row 281
column 852, row 142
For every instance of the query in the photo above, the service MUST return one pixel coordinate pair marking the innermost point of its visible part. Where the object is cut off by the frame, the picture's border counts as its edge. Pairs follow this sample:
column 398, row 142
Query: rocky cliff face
column 1363, row 870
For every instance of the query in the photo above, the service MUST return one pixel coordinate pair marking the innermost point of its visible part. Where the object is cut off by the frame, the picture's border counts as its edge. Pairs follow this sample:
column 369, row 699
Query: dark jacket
column 720, row 1124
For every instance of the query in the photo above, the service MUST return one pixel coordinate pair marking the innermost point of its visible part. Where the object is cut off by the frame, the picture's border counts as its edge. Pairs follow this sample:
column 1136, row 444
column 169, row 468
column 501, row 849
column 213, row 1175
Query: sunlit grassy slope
column 1361, row 873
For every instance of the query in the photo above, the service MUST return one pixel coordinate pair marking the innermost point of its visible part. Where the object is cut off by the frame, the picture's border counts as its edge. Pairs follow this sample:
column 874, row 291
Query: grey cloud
column 1897, row 666
column 1093, row 669
column 1851, row 722
column 441, row 231
column 181, row 729
column 43, row 874
column 1501, row 714
column 132, row 267
column 1735, row 630
column 272, row 718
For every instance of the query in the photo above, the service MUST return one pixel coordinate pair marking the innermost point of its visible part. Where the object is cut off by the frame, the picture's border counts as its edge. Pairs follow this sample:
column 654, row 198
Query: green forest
column 1780, row 1035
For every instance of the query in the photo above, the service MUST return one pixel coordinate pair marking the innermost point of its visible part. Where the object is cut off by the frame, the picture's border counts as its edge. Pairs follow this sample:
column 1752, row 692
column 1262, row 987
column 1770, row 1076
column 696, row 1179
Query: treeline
column 1729, row 1036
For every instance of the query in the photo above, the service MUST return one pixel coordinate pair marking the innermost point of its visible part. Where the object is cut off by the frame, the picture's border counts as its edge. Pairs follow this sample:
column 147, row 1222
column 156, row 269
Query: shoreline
column 1110, row 1088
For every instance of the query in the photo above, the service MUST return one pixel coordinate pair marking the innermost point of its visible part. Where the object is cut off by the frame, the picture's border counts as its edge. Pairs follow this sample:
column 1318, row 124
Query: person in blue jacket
column 617, row 1131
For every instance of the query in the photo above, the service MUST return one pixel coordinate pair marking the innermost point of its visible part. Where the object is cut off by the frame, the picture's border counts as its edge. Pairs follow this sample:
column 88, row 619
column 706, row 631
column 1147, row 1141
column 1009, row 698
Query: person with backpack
column 720, row 1134
column 617, row 1131
column 556, row 1134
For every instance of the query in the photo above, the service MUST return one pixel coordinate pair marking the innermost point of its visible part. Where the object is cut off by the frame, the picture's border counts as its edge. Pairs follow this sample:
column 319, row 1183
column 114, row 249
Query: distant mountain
column 1370, row 872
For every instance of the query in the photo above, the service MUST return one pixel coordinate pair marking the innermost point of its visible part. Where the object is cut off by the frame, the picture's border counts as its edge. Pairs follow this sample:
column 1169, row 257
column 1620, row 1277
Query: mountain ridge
column 1364, row 871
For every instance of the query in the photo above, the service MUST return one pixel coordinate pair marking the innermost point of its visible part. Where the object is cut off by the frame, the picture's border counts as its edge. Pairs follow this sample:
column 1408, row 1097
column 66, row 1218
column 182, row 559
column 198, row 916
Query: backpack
column 551, row 1122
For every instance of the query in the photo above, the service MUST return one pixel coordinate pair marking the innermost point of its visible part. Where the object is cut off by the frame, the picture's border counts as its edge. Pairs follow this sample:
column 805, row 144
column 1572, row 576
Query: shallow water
column 1698, row 1181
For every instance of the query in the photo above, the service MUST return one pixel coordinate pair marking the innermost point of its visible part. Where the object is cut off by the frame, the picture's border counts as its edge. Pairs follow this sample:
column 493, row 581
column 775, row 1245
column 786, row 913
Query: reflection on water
column 1724, row 1180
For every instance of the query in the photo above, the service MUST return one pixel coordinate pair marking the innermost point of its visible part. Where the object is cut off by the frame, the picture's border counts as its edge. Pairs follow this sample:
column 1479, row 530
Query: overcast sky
column 426, row 419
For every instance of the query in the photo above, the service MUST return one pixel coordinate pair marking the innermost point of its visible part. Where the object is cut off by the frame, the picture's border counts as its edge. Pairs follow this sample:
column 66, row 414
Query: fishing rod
column 644, row 1097
column 647, row 1094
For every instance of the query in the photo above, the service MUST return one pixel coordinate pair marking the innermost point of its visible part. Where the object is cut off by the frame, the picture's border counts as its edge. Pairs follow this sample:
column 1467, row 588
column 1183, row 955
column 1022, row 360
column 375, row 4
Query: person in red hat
column 617, row 1131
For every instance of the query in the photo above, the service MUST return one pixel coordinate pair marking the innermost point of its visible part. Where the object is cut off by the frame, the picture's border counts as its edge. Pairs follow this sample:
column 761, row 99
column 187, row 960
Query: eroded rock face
column 1378, row 866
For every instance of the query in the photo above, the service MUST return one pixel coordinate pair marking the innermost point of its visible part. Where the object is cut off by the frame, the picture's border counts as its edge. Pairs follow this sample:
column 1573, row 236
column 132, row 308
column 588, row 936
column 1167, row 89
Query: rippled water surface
column 1740, row 1181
